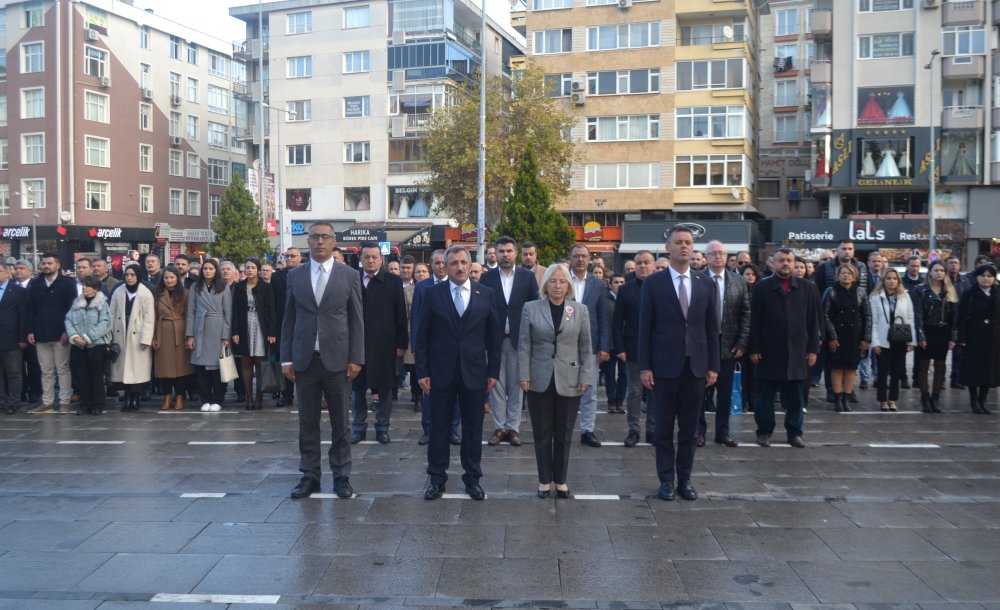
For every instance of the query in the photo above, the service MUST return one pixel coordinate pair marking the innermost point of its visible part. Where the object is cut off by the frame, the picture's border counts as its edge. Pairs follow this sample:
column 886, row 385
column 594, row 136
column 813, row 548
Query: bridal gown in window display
column 900, row 111
column 868, row 165
column 961, row 166
column 887, row 168
column 904, row 162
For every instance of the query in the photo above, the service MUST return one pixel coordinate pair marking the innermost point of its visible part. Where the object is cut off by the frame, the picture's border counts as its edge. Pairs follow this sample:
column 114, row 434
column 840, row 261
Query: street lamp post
column 932, row 179
column 34, row 229
column 277, row 193
column 481, row 202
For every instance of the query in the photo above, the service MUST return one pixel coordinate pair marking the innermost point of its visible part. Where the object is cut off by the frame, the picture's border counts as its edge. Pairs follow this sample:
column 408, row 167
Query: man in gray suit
column 323, row 307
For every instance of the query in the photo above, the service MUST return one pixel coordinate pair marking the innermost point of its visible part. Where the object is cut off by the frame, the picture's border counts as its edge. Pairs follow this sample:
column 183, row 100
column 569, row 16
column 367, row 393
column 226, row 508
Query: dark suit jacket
column 444, row 341
column 666, row 338
column 14, row 313
column 418, row 297
column 49, row 306
column 263, row 296
column 735, row 331
column 524, row 290
column 600, row 324
column 784, row 328
column 625, row 323
column 385, row 327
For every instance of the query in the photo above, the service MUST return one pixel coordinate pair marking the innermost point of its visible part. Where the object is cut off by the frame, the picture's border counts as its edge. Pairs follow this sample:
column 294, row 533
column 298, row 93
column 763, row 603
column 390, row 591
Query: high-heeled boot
column 925, row 403
column 168, row 399
column 983, row 394
column 974, row 400
column 845, row 404
column 258, row 402
column 935, row 405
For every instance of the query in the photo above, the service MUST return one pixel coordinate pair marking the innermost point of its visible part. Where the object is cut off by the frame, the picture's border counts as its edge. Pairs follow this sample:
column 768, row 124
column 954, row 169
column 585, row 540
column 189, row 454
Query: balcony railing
column 418, row 121
column 407, row 167
column 962, row 117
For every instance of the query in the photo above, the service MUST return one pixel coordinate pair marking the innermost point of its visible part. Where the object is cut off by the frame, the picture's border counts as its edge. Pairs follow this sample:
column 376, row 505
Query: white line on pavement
column 904, row 446
column 215, row 599
column 90, row 442
column 222, row 442
column 204, row 495
column 597, row 496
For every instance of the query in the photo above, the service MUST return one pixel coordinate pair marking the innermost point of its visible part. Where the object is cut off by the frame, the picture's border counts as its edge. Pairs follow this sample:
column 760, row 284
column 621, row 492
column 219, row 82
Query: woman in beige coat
column 171, row 357
column 133, row 320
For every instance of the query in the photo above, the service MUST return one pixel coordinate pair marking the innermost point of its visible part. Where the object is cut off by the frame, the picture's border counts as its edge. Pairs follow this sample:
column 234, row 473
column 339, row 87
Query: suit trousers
column 633, row 402
column 88, row 364
column 53, row 358
column 615, row 380
column 442, row 403
column 719, row 398
column 506, row 398
column 312, row 386
column 359, row 404
column 425, row 414
column 10, row 378
column 553, row 418
column 678, row 399
column 31, row 388
column 791, row 400
column 588, row 403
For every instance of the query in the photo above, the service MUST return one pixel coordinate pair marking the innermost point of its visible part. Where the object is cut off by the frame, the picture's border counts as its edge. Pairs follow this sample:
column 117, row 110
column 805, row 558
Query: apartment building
column 349, row 88
column 118, row 129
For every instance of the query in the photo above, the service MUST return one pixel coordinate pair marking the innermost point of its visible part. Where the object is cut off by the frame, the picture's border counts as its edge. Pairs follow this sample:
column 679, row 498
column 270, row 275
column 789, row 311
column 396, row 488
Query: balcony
column 407, row 167
column 962, row 117
column 963, row 67
column 996, row 12
column 995, row 172
column 249, row 50
column 418, row 122
column 822, row 24
column 712, row 8
column 963, row 12
column 821, row 72
column 996, row 64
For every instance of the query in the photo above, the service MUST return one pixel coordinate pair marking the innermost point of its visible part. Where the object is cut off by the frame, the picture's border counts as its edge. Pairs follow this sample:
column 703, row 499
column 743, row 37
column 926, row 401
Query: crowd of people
column 665, row 337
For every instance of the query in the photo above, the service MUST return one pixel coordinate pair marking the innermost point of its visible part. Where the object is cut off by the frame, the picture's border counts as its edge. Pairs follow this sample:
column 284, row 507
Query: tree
column 516, row 115
column 528, row 214
column 239, row 232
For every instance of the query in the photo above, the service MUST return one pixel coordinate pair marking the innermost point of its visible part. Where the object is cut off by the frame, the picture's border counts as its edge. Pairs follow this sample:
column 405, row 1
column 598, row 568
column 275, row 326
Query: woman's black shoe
column 925, row 403
column 562, row 493
column 543, row 493
column 935, row 406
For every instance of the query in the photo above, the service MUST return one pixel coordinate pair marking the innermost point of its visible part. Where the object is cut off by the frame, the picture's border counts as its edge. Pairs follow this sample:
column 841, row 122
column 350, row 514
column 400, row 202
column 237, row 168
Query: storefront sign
column 298, row 228
column 469, row 232
column 112, row 233
column 117, row 246
column 357, row 235
column 593, row 231
column 878, row 231
column 15, row 233
column 199, row 236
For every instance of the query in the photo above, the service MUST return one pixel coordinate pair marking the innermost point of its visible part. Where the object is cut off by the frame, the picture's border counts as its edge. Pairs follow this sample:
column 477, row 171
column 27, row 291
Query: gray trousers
column 311, row 386
column 10, row 378
column 53, row 358
column 507, row 397
column 633, row 401
column 588, row 403
column 359, row 405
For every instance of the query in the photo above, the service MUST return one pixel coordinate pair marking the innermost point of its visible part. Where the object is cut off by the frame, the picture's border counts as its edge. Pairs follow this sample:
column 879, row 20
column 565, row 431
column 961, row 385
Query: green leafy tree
column 239, row 232
column 517, row 114
column 528, row 214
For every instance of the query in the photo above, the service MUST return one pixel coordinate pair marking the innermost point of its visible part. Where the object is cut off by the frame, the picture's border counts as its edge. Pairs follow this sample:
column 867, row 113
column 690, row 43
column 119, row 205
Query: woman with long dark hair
column 978, row 325
column 748, row 370
column 171, row 359
column 890, row 304
column 133, row 320
column 254, row 328
column 937, row 302
column 209, row 311
column 848, row 331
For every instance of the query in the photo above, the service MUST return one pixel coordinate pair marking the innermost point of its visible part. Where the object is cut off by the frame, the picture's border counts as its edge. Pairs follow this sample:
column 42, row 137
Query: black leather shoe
column 864, row 385
column 649, row 437
column 456, row 439
column 426, row 438
column 543, row 493
column 433, row 492
column 904, row 385
column 666, row 492
column 935, row 405
column 563, row 493
column 357, row 437
column 475, row 491
column 725, row 439
column 382, row 437
column 632, row 439
column 796, row 441
column 764, row 440
column 852, row 397
column 342, row 487
column 589, row 438
column 955, row 385
column 305, row 487
column 686, row 490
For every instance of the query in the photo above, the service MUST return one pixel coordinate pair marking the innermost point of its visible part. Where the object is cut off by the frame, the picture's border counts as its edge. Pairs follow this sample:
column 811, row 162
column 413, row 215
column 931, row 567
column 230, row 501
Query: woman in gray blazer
column 554, row 361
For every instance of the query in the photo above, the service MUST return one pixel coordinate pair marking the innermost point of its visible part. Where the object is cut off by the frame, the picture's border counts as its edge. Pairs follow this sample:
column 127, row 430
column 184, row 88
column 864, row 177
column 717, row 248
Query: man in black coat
column 279, row 284
column 31, row 373
column 14, row 313
column 52, row 294
column 625, row 334
column 785, row 319
column 385, row 340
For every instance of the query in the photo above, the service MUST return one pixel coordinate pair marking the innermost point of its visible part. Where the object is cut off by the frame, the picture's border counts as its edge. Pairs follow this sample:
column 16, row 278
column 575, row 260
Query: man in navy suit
column 14, row 313
column 512, row 287
column 457, row 352
column 678, row 358
column 590, row 291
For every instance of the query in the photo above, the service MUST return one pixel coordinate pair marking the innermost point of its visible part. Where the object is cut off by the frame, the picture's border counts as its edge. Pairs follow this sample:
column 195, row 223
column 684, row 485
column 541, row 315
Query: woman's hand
column 877, row 350
column 584, row 386
column 923, row 344
column 833, row 345
column 951, row 345
column 156, row 344
column 864, row 347
column 236, row 340
column 79, row 341
column 225, row 343
column 271, row 340
column 525, row 385
column 909, row 348
column 189, row 343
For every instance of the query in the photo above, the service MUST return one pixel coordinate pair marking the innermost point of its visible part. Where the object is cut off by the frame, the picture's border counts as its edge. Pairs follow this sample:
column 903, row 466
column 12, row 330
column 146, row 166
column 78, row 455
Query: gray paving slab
column 382, row 576
column 742, row 581
column 149, row 573
column 604, row 512
column 664, row 542
column 45, row 604
column 562, row 540
column 321, row 510
column 44, row 507
column 137, row 508
column 143, row 537
column 863, row 581
column 983, row 514
column 700, row 514
column 796, row 514
column 771, row 543
column 452, row 541
column 620, row 580
column 47, row 571
column 414, row 509
column 509, row 511
column 230, row 509
column 47, row 535
column 961, row 545
column 499, row 579
column 246, row 538
column 879, row 544
column 891, row 514
column 264, row 575
column 349, row 539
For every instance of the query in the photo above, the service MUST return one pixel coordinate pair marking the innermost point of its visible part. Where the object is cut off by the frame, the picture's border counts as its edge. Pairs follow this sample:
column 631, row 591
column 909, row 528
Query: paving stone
column 664, row 543
column 149, row 573
column 504, row 511
column 797, row 514
column 380, row 575
column 230, row 509
column 879, row 544
column 983, row 514
column 349, row 539
column 46, row 571
column 863, row 581
column 769, row 543
column 700, row 514
column 45, row 604
column 742, row 581
column 47, row 535
column 145, row 537
column 604, row 512
column 264, row 575
column 246, row 538
column 556, row 541
column 500, row 579
column 620, row 580
column 890, row 514
column 452, row 541
column 137, row 508
column 321, row 510
column 414, row 510
column 960, row 545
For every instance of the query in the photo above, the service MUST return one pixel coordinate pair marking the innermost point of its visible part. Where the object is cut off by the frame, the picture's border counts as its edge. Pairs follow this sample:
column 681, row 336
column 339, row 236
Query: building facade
column 113, row 122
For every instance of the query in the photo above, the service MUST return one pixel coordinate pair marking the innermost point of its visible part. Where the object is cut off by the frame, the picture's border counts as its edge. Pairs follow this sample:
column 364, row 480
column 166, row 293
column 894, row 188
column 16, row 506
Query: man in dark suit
column 14, row 313
column 625, row 330
column 31, row 373
column 323, row 308
column 785, row 316
column 678, row 358
column 512, row 287
column 457, row 350
column 590, row 291
column 279, row 284
column 733, row 303
column 385, row 340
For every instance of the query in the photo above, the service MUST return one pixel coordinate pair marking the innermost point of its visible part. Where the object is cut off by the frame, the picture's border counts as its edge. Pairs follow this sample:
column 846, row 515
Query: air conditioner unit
column 624, row 4
column 398, row 80
column 398, row 127
column 147, row 94
column 91, row 34
column 930, row 3
column 577, row 86
column 579, row 98
column 104, row 81
column 175, row 100
column 398, row 38
column 175, row 140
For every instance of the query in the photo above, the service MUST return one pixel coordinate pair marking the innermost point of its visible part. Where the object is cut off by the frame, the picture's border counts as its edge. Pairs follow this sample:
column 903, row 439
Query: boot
column 925, row 403
column 974, row 400
column 168, row 399
column 845, row 402
column 983, row 392
column 935, row 406
column 259, row 401
column 179, row 402
column 127, row 407
column 136, row 400
column 838, row 402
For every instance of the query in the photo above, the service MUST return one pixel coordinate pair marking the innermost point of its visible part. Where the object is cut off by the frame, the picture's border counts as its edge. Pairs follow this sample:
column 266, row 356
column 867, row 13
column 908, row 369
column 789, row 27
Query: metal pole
column 481, row 204
column 932, row 180
column 34, row 231
column 260, row 77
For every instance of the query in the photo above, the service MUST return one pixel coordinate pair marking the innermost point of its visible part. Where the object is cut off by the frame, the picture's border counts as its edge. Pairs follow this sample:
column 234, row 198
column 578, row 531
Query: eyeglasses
column 716, row 253
column 321, row 237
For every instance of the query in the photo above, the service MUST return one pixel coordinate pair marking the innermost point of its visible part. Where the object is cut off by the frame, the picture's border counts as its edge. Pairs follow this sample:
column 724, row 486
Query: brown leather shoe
column 179, row 402
column 796, row 441
column 513, row 438
column 725, row 439
column 486, row 409
column 701, row 440
column 764, row 441
column 498, row 437
column 167, row 402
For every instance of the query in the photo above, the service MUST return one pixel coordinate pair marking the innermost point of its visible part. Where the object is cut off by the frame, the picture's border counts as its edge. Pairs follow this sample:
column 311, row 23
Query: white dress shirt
column 464, row 293
column 507, row 283
column 314, row 269
column 675, row 276
column 579, row 286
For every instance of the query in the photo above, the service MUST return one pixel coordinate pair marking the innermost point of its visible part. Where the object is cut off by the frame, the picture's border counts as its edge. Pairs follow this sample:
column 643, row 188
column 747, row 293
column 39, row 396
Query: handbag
column 898, row 332
column 270, row 376
column 114, row 350
column 736, row 406
column 227, row 365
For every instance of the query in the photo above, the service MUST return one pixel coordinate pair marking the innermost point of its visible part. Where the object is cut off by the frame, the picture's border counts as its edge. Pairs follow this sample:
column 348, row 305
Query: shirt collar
column 466, row 286
column 675, row 273
column 327, row 266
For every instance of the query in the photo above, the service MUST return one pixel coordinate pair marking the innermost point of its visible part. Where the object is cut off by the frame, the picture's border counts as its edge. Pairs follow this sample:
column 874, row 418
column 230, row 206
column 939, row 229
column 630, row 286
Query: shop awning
column 659, row 248
column 600, row 246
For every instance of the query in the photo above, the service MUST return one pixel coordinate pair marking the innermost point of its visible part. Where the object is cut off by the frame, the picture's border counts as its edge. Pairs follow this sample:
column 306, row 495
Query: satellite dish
column 727, row 32
column 735, row 192
column 65, row 216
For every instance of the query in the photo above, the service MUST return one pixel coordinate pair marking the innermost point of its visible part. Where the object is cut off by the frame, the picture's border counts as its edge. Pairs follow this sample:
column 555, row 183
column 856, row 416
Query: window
column 790, row 51
column 996, row 99
column 174, row 168
column 705, row 122
column 95, row 61
column 786, row 22
column 218, row 135
column 623, row 176
column 301, row 109
column 176, row 201
column 964, row 40
column 34, row 16
column 218, row 99
column 174, row 124
column 869, row 6
column 627, row 127
column 144, row 36
column 559, row 85
column 214, row 203
column 33, row 197
column 218, row 65
column 553, row 41
column 175, row 86
column 145, row 76
column 300, row 23
column 96, row 151
column 95, row 107
column 299, row 154
column 218, row 172
column 192, row 90
column 711, row 33
column 709, row 170
column 4, row 199
column 193, row 203
column 192, row 127
column 623, row 36
column 357, row 61
column 357, row 198
column 880, row 46
column 621, row 82
column 145, row 117
column 4, row 154
column 357, row 17
column 145, row 158
column 193, row 166
column 357, row 152
column 33, row 103
column 710, row 74
column 786, row 92
column 175, row 47
column 98, row 195
column 32, row 57
column 192, row 54
column 768, row 188
column 357, row 106
column 544, row 5
column 145, row 199
column 786, row 128
column 33, row 148
column 300, row 67
column 3, row 109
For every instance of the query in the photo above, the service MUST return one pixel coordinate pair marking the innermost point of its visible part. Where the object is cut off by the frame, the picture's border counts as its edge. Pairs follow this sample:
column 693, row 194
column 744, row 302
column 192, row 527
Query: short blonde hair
column 552, row 270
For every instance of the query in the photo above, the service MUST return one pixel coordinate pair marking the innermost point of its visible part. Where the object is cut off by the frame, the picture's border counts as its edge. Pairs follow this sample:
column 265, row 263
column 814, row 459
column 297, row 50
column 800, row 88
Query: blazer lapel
column 673, row 293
